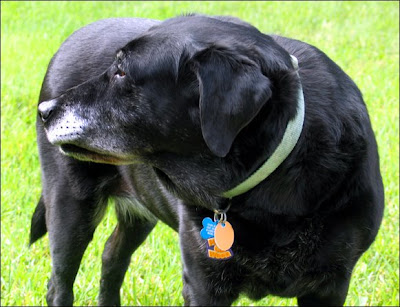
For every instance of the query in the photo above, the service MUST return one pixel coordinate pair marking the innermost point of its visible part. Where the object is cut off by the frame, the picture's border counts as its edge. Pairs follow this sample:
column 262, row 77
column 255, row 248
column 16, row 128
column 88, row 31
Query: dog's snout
column 46, row 108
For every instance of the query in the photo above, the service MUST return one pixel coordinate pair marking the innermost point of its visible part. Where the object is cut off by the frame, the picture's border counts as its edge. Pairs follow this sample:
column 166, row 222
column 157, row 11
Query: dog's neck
column 281, row 152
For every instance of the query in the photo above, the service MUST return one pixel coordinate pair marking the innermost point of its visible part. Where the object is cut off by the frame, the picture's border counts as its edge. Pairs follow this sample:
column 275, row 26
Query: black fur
column 189, row 108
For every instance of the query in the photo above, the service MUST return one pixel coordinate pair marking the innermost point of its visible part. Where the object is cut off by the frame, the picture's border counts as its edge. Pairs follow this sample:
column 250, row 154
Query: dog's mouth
column 84, row 154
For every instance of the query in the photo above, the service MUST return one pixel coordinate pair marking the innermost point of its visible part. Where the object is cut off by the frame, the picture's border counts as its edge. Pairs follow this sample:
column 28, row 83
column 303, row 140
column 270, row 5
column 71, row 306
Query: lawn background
column 362, row 37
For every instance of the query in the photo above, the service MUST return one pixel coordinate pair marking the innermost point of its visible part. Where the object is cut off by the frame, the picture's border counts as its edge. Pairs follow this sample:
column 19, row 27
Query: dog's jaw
column 83, row 154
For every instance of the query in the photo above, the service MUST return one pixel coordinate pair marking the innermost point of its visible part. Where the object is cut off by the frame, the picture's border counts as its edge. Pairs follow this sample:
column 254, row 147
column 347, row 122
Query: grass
column 362, row 37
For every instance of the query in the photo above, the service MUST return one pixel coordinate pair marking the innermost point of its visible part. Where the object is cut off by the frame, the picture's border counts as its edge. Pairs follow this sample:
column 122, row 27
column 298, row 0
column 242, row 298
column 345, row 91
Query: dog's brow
column 120, row 54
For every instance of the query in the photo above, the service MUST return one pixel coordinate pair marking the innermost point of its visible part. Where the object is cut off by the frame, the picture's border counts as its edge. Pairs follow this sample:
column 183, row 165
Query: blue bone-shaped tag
column 209, row 228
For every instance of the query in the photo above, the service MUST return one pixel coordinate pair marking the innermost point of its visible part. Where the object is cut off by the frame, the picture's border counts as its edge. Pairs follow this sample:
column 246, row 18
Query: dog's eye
column 120, row 73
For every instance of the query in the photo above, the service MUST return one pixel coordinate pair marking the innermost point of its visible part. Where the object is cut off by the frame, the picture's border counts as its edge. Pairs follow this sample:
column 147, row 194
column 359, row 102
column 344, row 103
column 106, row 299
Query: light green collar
column 289, row 141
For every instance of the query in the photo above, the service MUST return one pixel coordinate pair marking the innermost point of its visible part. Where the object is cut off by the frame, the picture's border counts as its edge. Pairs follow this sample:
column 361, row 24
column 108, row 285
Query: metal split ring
column 219, row 217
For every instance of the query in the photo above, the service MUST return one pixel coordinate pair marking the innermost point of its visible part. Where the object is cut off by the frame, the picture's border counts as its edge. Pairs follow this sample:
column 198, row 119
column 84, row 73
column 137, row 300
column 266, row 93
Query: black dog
column 174, row 127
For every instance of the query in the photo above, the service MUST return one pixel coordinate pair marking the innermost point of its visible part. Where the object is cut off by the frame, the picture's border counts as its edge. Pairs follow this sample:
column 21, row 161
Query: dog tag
column 208, row 228
column 224, row 235
column 214, row 252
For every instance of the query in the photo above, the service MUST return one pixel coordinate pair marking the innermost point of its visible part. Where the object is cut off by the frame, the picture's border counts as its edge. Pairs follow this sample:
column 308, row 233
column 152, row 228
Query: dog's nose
column 45, row 109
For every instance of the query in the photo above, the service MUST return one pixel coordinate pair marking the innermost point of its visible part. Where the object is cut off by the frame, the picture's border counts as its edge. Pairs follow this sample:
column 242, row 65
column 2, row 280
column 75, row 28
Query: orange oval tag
column 224, row 236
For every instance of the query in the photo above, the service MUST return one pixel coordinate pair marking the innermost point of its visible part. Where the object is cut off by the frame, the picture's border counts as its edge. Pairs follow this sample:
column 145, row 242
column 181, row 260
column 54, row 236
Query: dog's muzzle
column 61, row 125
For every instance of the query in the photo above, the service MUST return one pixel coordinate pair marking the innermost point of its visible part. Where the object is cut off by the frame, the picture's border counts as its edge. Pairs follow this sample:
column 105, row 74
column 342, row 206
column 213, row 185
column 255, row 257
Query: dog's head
column 188, row 85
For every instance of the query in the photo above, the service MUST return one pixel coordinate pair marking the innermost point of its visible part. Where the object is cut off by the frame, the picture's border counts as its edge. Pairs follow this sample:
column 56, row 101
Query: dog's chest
column 280, row 269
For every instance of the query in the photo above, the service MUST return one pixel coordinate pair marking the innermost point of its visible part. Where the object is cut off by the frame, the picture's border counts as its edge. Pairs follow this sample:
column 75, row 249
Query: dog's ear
column 232, row 92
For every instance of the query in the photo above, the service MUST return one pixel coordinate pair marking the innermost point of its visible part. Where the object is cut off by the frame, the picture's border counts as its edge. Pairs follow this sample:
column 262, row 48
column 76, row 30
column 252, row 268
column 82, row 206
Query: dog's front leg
column 70, row 226
column 206, row 282
column 125, row 239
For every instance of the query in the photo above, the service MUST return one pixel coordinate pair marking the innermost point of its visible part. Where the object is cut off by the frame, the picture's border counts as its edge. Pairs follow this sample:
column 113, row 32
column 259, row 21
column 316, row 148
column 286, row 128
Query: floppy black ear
column 232, row 92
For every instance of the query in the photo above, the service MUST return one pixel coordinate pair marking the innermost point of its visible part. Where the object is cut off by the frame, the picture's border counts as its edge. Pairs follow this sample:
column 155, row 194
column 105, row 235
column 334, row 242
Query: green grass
column 362, row 37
